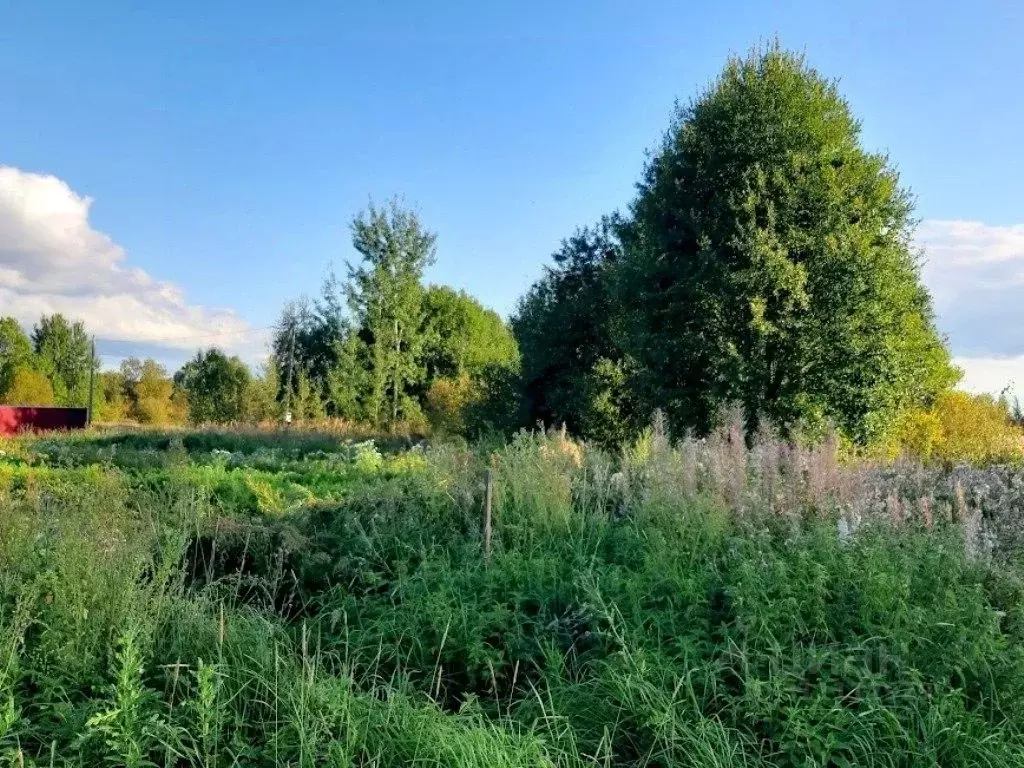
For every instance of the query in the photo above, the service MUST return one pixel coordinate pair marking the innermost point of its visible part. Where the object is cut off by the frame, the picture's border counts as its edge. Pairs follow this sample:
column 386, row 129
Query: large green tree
column 63, row 353
column 573, row 368
column 350, row 380
column 112, row 395
column 372, row 348
column 215, row 387
column 385, row 299
column 308, row 333
column 147, row 394
column 304, row 340
column 465, row 346
column 461, row 336
column 769, row 262
column 261, row 401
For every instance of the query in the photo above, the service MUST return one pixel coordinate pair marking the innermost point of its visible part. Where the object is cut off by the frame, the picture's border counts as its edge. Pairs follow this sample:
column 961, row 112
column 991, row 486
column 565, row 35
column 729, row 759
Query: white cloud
column 992, row 374
column 969, row 243
column 976, row 275
column 52, row 260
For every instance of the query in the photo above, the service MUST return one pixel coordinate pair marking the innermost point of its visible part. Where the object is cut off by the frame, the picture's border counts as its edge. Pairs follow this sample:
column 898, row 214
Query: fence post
column 488, row 497
column 92, row 382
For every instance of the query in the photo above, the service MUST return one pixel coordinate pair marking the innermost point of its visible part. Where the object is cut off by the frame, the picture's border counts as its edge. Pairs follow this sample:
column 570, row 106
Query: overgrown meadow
column 289, row 599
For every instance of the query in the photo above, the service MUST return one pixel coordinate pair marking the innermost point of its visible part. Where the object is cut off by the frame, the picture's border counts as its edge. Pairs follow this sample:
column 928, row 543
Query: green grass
column 261, row 604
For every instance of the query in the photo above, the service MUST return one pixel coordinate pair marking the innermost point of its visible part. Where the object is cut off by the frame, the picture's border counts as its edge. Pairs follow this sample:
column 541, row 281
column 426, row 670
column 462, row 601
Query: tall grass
column 698, row 604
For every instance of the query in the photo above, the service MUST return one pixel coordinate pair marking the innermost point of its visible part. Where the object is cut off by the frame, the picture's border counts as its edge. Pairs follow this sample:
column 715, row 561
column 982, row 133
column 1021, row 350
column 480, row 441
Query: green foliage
column 114, row 403
column 462, row 336
column 215, row 387
column 349, row 379
column 961, row 428
column 573, row 369
column 448, row 403
column 307, row 334
column 128, row 725
column 146, row 395
column 309, row 405
column 28, row 387
column 260, row 400
column 371, row 348
column 385, row 295
column 609, row 415
column 497, row 404
column 464, row 343
column 769, row 263
column 63, row 353
column 15, row 351
column 221, row 598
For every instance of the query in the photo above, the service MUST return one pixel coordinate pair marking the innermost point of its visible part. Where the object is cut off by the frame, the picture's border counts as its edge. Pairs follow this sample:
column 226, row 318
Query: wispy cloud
column 52, row 260
column 976, row 275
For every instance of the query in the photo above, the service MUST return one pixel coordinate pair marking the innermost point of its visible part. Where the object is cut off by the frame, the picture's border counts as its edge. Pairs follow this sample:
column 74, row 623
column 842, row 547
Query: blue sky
column 222, row 148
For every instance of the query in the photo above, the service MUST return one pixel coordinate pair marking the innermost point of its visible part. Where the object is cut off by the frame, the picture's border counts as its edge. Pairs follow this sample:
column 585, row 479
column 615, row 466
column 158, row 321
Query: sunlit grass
column 197, row 602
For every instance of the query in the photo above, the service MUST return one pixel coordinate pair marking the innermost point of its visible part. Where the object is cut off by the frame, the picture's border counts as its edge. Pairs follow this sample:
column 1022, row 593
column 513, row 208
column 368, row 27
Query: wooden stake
column 488, row 496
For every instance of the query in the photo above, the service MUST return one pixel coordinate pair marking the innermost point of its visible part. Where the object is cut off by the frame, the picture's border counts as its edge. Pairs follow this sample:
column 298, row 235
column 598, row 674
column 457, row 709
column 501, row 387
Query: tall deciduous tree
column 112, row 393
column 300, row 341
column 261, row 401
column 461, row 336
column 385, row 297
column 308, row 404
column 215, row 386
column 770, row 262
column 64, row 354
column 573, row 368
column 464, row 343
column 155, row 401
column 147, row 393
column 349, row 380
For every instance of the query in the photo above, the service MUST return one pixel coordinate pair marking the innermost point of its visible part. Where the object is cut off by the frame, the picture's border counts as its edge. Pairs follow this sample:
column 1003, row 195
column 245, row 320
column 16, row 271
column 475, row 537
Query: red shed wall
column 19, row 418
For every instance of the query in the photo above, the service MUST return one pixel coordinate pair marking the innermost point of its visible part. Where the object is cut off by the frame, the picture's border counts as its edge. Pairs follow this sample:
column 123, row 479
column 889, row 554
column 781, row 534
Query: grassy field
column 238, row 599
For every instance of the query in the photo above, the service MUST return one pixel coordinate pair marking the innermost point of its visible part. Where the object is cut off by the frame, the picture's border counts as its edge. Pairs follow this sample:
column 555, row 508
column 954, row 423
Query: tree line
column 379, row 347
column 765, row 261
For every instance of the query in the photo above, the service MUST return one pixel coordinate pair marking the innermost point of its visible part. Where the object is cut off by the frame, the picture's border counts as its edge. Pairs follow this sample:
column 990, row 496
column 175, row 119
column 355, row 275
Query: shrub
column 447, row 401
column 28, row 387
column 962, row 428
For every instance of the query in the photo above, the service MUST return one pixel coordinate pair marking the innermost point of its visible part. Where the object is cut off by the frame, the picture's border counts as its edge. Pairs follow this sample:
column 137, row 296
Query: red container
column 31, row 418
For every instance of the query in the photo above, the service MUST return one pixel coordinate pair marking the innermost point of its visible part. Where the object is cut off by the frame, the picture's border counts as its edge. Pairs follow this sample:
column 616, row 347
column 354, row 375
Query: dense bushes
column 961, row 428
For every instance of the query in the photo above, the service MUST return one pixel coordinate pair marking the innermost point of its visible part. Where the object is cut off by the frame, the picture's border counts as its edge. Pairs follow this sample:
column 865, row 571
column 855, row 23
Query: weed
column 235, row 598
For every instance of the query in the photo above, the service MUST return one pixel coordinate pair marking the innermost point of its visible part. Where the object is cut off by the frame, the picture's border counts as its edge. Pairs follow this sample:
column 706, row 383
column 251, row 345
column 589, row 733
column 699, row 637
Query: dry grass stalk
column 926, row 511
